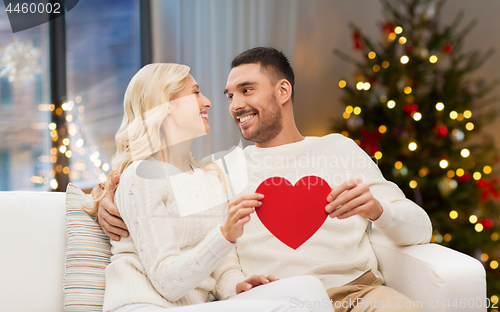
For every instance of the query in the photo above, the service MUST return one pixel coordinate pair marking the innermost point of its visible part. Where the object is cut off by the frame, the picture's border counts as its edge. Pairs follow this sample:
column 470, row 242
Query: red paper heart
column 293, row 213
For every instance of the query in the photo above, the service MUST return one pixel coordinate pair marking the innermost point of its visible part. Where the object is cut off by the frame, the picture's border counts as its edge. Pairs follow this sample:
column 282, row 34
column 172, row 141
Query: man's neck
column 286, row 136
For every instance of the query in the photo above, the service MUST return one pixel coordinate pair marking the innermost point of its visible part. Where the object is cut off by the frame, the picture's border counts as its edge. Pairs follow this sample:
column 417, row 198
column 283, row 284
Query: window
column 23, row 117
column 102, row 39
column 5, row 92
column 102, row 55
column 5, row 170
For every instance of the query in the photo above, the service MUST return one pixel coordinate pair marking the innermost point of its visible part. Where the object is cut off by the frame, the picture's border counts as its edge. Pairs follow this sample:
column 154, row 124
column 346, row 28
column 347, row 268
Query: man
column 260, row 91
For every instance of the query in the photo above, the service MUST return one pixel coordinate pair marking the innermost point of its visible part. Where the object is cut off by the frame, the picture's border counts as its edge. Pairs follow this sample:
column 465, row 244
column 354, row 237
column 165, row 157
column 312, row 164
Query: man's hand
column 351, row 198
column 108, row 214
column 253, row 281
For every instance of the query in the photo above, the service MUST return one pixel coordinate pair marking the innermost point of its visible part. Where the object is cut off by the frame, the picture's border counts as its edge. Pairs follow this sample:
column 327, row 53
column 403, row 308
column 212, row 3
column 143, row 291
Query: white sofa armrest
column 33, row 247
column 441, row 278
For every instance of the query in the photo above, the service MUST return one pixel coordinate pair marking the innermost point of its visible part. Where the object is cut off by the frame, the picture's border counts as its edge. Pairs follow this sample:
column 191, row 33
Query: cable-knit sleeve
column 402, row 221
column 227, row 275
column 142, row 205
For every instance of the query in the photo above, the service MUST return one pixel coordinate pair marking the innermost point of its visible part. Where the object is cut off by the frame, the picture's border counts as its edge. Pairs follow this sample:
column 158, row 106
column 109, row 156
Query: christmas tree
column 415, row 107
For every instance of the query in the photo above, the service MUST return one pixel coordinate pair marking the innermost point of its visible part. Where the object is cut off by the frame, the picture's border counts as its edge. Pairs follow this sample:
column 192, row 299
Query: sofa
column 33, row 246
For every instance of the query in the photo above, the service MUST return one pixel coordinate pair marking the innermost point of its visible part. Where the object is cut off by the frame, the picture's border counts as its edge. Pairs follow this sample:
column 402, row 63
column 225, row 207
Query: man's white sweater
column 340, row 250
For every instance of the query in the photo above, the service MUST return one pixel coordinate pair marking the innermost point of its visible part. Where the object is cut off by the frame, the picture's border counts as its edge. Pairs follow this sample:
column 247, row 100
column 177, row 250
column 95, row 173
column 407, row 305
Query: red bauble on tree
column 357, row 40
column 410, row 109
column 370, row 141
column 448, row 48
column 486, row 223
column 489, row 189
column 441, row 131
column 464, row 178
column 388, row 27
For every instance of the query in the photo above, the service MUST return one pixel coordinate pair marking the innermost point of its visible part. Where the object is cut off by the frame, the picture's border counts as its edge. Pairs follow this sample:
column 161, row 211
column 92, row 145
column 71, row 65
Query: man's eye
column 246, row 90
column 197, row 92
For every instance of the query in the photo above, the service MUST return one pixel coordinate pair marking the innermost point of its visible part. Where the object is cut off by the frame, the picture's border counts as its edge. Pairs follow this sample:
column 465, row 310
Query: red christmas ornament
column 441, row 131
column 487, row 224
column 410, row 109
column 370, row 141
column 357, row 40
column 409, row 48
column 448, row 48
column 464, row 178
column 489, row 189
column 495, row 159
column 388, row 27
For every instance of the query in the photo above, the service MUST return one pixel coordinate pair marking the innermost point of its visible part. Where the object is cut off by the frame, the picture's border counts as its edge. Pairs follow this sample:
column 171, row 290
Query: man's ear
column 284, row 91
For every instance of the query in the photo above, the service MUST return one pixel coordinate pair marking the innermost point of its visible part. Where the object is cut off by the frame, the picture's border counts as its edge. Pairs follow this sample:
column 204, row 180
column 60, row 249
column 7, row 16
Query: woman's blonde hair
column 139, row 135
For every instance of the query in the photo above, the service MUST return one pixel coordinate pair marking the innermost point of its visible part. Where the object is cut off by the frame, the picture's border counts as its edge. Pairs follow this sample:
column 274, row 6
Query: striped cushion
column 87, row 254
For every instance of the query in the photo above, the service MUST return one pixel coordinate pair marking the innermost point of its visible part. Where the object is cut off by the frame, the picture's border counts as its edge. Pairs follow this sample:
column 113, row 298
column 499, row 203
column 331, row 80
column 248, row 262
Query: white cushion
column 33, row 244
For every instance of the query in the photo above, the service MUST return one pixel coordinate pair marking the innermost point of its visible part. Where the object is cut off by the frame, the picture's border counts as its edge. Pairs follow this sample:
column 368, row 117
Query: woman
column 182, row 233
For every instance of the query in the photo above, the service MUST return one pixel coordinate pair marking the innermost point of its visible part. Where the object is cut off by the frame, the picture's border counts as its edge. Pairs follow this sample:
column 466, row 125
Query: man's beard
column 270, row 123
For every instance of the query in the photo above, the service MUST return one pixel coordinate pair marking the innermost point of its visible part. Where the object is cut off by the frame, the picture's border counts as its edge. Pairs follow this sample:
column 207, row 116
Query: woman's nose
column 206, row 102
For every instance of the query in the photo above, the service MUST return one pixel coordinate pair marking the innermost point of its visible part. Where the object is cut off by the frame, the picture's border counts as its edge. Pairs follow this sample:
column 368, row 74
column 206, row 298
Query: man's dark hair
column 271, row 60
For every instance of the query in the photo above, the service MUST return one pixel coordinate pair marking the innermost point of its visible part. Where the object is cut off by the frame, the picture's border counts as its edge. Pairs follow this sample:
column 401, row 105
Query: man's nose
column 236, row 104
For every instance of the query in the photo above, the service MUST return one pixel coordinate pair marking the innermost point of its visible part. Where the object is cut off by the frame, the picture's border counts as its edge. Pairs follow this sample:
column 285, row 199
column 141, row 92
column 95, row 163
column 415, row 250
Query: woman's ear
column 169, row 108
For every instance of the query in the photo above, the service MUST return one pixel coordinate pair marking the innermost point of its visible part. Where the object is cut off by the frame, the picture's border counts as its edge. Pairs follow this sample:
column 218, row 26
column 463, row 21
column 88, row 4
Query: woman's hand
column 239, row 214
column 253, row 281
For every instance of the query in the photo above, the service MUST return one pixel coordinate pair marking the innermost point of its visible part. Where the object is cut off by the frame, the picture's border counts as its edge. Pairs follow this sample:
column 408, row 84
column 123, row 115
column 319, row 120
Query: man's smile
column 246, row 119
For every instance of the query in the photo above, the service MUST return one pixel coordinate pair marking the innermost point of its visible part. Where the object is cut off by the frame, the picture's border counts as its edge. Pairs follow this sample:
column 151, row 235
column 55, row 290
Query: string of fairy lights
column 71, row 143
column 449, row 182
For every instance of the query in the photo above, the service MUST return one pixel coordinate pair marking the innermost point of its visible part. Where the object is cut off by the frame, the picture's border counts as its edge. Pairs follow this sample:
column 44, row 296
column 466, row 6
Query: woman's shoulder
column 144, row 177
column 145, row 169
column 145, row 174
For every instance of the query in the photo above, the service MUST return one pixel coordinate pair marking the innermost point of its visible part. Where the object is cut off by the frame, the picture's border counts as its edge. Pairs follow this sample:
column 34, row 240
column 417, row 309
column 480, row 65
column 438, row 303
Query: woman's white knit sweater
column 168, row 260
